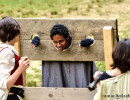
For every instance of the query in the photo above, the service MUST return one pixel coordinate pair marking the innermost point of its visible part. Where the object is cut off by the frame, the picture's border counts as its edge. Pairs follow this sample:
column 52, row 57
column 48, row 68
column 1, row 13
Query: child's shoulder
column 8, row 48
column 6, row 51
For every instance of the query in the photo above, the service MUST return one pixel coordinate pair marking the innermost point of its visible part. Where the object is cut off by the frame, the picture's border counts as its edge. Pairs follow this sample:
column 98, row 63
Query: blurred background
column 119, row 9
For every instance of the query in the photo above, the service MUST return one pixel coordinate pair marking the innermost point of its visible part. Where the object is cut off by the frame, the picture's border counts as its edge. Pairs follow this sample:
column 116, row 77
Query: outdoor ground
column 119, row 9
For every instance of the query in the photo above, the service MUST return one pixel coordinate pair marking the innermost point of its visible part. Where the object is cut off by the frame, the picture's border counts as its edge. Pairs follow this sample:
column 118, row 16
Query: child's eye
column 55, row 42
column 61, row 41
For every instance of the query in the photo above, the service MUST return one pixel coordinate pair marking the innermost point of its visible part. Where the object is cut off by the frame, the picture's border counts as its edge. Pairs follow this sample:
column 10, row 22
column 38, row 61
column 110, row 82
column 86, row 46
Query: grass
column 32, row 8
column 100, row 65
column 34, row 74
column 118, row 9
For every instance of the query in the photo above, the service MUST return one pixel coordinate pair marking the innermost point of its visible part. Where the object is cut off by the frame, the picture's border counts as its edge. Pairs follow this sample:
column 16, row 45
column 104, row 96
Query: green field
column 119, row 9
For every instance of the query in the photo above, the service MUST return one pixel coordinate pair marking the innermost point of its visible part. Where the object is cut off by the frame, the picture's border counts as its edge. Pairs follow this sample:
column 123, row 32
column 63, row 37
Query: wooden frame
column 78, row 28
column 48, row 93
column 108, row 46
column 103, row 30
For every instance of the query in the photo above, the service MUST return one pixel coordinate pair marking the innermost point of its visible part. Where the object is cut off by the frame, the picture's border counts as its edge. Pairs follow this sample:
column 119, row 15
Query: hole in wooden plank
column 61, row 43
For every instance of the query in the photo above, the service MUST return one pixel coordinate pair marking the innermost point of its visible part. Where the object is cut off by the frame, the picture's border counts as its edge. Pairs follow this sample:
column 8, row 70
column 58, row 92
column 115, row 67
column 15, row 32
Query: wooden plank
column 47, row 93
column 17, row 47
column 115, row 36
column 108, row 46
column 46, row 51
column 78, row 28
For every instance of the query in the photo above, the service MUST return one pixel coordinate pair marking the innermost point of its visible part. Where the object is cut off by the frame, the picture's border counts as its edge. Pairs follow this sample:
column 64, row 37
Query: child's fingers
column 27, row 64
column 24, row 58
column 26, row 61
column 96, row 74
column 33, row 46
column 80, row 46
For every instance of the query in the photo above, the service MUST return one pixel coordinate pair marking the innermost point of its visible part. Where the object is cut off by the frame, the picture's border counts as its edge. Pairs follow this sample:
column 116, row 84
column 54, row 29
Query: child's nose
column 58, row 44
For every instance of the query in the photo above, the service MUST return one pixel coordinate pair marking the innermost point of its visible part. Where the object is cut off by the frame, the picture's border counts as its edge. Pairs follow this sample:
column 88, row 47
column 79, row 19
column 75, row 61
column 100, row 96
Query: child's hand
column 35, row 41
column 24, row 63
column 33, row 45
column 96, row 74
column 80, row 46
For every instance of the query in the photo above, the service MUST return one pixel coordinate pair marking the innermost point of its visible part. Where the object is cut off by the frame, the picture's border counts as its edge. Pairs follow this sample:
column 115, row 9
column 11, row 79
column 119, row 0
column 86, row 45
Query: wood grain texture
column 78, row 28
column 35, row 93
column 108, row 46
column 47, row 52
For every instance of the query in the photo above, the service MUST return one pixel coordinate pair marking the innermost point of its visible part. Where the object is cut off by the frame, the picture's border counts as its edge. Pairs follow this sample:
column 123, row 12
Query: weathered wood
column 74, row 53
column 78, row 28
column 38, row 93
column 108, row 46
column 17, row 47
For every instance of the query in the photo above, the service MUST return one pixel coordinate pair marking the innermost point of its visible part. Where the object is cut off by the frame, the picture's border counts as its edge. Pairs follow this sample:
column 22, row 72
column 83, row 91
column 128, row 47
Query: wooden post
column 17, row 47
column 108, row 46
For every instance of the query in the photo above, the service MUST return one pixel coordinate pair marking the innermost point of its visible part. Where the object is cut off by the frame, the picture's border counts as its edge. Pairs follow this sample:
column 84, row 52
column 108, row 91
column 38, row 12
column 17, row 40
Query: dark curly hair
column 60, row 30
column 9, row 28
column 121, row 55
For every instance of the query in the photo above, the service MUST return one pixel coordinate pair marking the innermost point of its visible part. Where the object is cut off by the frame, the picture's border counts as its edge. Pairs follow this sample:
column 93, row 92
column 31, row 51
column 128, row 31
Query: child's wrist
column 20, row 69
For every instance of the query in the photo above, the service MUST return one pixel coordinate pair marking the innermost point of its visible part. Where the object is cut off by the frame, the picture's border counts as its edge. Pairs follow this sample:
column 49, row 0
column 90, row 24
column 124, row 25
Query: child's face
column 16, row 38
column 59, row 42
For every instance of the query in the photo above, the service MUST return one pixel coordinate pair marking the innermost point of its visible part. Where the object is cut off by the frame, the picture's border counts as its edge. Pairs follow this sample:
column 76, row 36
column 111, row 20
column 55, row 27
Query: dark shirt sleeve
column 87, row 42
column 36, row 41
column 105, row 76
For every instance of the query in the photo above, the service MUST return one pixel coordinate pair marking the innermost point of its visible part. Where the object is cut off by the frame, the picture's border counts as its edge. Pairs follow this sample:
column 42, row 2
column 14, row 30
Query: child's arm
column 23, row 65
column 109, row 74
column 114, row 72
column 7, row 63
